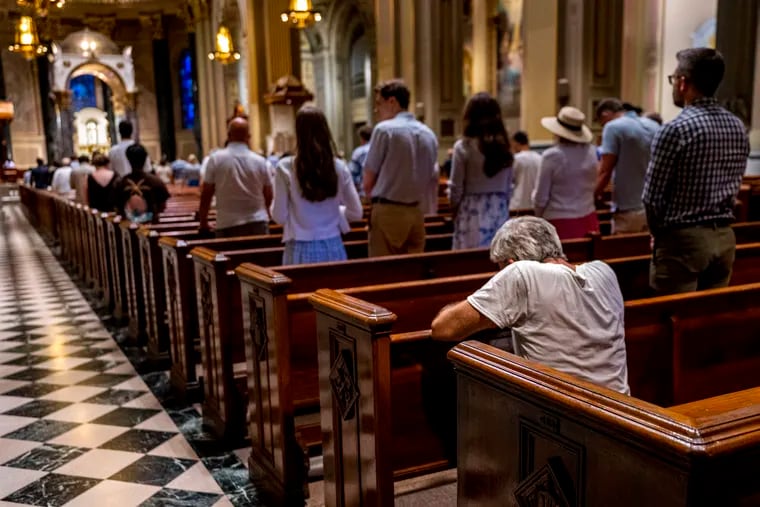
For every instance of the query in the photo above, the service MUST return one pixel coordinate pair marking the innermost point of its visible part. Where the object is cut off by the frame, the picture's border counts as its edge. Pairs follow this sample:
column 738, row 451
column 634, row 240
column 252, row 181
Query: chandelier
column 40, row 7
column 225, row 51
column 26, row 41
column 301, row 14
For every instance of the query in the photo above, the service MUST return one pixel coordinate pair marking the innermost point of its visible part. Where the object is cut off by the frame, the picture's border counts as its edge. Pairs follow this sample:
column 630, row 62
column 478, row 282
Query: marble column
column 6, row 149
column 736, row 38
column 130, row 112
column 254, row 47
column 388, row 62
column 210, row 117
column 640, row 79
column 439, row 83
column 109, row 109
column 484, row 46
column 65, row 134
column 49, row 119
column 164, row 95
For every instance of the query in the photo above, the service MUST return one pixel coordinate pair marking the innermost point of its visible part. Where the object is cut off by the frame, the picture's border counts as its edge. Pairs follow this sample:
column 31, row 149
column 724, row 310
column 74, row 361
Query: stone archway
column 331, row 44
column 91, row 53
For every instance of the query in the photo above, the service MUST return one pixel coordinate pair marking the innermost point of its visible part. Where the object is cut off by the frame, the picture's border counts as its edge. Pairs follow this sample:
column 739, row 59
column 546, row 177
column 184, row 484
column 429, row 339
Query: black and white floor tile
column 78, row 425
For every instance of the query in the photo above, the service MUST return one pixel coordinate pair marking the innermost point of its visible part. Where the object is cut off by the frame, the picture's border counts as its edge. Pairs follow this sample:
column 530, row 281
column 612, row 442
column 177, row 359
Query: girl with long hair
column 481, row 174
column 314, row 194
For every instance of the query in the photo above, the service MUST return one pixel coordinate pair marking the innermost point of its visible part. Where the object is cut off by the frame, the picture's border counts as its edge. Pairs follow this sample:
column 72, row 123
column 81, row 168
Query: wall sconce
column 26, row 41
column 225, row 52
column 301, row 14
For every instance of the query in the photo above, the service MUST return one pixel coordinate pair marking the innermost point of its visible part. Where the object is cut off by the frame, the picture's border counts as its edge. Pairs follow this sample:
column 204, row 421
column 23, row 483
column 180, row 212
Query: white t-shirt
column 303, row 220
column 239, row 176
column 524, row 173
column 118, row 158
column 61, row 183
column 570, row 320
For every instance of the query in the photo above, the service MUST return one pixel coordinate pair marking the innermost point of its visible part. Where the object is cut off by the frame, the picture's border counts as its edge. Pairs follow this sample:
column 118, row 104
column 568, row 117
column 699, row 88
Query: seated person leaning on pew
column 565, row 316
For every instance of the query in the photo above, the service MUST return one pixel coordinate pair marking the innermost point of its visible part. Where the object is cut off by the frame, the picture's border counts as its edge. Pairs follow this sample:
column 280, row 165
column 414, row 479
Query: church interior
column 149, row 363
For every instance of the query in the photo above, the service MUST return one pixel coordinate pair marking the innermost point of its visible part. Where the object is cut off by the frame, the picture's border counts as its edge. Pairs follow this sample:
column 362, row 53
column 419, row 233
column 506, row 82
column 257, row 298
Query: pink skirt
column 569, row 228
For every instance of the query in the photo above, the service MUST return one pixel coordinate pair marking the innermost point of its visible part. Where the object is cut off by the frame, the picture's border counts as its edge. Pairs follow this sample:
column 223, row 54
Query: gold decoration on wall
column 40, row 8
column 102, row 24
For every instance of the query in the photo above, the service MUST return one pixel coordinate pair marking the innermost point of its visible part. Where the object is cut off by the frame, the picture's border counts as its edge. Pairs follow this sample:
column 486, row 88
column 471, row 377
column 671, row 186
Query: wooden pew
column 152, row 274
column 271, row 300
column 359, row 342
column 133, row 279
column 181, row 294
column 152, row 328
column 279, row 327
column 221, row 327
column 527, row 430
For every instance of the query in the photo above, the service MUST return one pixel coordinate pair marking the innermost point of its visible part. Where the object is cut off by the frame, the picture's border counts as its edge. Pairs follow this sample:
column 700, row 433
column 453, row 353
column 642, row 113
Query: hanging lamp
column 26, row 41
column 225, row 51
column 301, row 14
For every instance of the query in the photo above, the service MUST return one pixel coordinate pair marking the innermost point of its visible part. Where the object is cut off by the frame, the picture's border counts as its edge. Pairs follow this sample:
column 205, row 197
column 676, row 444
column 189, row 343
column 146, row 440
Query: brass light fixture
column 301, row 14
column 26, row 41
column 40, row 7
column 225, row 51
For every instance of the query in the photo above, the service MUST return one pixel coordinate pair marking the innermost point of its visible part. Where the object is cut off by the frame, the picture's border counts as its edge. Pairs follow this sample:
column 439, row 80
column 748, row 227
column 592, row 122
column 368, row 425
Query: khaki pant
column 695, row 258
column 396, row 229
column 629, row 221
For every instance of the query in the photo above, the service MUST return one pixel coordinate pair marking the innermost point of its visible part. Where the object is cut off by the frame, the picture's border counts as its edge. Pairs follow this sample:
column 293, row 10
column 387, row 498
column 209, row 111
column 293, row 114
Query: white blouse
column 304, row 220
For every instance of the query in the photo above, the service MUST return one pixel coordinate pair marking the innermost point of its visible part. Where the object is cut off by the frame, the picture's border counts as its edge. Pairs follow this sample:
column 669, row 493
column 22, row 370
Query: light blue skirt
column 310, row 252
column 478, row 219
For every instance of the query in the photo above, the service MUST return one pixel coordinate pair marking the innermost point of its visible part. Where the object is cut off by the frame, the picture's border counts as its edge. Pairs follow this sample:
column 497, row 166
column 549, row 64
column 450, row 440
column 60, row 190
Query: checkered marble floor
column 78, row 425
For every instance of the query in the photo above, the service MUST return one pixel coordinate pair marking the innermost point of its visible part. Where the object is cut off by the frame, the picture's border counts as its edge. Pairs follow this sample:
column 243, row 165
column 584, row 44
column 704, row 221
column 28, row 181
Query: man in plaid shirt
column 692, row 181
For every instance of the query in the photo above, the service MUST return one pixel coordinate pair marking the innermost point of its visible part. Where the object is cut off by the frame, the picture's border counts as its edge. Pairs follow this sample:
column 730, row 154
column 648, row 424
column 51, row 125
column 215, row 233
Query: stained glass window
column 83, row 92
column 187, row 89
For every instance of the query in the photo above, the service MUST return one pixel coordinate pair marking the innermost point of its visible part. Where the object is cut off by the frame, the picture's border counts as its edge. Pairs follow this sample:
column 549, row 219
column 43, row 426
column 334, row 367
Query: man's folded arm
column 457, row 321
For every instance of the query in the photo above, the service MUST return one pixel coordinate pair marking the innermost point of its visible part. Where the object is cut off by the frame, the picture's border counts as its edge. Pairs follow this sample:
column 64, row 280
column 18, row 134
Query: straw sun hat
column 568, row 124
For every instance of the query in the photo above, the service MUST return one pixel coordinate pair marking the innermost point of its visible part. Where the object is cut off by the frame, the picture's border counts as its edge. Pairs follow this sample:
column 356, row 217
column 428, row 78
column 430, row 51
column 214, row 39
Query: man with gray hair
column 561, row 315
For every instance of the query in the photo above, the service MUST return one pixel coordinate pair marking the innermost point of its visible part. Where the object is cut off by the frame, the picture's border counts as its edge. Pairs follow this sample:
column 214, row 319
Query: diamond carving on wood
column 343, row 384
column 206, row 305
column 258, row 326
column 543, row 488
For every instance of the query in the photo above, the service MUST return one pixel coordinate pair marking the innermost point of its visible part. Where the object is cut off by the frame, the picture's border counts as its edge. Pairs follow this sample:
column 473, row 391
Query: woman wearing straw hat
column 564, row 193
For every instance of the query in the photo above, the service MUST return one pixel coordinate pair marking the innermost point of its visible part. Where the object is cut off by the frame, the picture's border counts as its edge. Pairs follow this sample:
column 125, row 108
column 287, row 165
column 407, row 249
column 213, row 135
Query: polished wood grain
column 522, row 424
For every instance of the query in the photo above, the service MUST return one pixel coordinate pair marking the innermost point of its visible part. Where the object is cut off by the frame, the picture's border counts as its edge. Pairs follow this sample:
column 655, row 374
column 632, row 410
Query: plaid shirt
column 696, row 167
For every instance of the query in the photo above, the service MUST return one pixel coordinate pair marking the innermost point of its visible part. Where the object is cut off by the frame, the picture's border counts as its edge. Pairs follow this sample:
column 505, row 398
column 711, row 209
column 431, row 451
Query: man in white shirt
column 524, row 171
column 242, row 181
column 118, row 153
column 61, row 178
column 564, row 316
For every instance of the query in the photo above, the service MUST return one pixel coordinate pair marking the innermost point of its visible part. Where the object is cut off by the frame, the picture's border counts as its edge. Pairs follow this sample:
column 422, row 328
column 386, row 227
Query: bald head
column 237, row 131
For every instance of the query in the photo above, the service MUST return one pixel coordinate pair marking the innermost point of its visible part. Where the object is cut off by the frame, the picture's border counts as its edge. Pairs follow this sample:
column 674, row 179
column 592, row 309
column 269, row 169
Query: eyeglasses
column 673, row 77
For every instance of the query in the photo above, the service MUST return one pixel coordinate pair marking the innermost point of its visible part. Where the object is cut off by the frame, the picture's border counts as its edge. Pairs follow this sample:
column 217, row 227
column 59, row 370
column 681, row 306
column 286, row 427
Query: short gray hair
column 526, row 239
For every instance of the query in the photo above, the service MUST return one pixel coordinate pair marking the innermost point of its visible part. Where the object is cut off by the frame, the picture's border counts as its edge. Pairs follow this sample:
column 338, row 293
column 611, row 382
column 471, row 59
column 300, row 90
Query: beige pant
column 629, row 221
column 396, row 229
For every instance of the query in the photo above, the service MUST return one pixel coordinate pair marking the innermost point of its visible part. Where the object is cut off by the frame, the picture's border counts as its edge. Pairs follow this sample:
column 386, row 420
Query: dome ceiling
column 104, row 46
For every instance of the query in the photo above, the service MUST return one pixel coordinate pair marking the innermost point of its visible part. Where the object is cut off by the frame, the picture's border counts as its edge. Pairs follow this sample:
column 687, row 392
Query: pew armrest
column 708, row 427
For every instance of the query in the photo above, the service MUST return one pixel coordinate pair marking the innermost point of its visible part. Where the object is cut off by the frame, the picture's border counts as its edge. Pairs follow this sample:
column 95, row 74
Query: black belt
column 383, row 200
column 718, row 223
